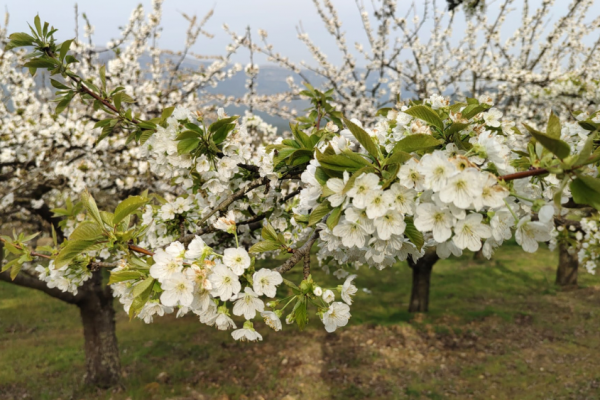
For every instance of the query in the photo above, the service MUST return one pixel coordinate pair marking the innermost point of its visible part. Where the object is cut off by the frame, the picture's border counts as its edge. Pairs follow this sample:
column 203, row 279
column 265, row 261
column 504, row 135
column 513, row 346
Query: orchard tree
column 548, row 64
column 49, row 155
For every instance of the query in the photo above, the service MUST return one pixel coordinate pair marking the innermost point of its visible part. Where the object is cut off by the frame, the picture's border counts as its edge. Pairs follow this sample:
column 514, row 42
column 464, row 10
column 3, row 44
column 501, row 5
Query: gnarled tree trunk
column 421, row 271
column 103, row 367
column 566, row 273
column 95, row 302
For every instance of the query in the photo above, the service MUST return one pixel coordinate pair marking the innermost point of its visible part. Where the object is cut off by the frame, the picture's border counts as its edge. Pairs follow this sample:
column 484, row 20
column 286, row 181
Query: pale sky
column 279, row 17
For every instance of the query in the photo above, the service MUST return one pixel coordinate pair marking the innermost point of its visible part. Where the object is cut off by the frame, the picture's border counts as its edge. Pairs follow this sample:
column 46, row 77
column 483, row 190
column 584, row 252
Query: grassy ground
column 496, row 330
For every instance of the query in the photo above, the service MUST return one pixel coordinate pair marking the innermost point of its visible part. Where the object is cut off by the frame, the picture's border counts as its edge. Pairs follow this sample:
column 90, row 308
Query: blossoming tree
column 49, row 156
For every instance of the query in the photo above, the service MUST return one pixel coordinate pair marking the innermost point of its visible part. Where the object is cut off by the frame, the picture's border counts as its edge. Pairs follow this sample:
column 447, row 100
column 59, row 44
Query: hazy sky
column 279, row 17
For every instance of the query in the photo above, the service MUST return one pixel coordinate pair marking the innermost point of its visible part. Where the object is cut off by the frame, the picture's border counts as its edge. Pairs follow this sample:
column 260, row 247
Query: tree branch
column 24, row 280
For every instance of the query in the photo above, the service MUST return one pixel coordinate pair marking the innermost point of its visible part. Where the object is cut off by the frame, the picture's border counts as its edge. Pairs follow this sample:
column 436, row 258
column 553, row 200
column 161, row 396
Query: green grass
column 497, row 328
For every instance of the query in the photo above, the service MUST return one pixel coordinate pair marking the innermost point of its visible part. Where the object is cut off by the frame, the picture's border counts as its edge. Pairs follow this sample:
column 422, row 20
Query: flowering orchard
column 429, row 177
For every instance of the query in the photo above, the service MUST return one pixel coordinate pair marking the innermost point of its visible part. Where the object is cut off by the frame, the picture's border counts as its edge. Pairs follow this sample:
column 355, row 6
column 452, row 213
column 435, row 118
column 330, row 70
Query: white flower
column 337, row 315
column 248, row 304
column 177, row 290
column 337, row 186
column 236, row 259
column 363, row 185
column 410, row 176
column 501, row 223
column 377, row 203
column 225, row 284
column 546, row 213
column 223, row 322
column 246, row 333
column 403, row 199
column 328, row 296
column 226, row 223
column 468, row 232
column 437, row 169
column 444, row 250
column 265, row 282
column 165, row 265
column 462, row 189
column 492, row 194
column 351, row 233
column 318, row 291
column 391, row 223
column 436, row 219
column 196, row 249
column 272, row 320
column 492, row 117
column 529, row 233
column 348, row 289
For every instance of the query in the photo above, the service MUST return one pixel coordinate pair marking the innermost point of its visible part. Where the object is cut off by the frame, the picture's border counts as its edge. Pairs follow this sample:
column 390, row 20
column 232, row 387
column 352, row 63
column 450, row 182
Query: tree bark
column 566, row 273
column 103, row 367
column 421, row 271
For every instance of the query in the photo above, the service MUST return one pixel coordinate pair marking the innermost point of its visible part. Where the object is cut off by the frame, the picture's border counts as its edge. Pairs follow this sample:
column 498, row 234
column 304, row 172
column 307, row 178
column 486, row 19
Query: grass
column 496, row 329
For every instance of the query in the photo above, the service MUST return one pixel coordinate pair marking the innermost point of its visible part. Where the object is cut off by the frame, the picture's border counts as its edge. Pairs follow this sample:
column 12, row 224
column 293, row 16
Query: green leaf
column 38, row 25
column 186, row 146
column 319, row 212
column 413, row 233
column 398, row 157
column 140, row 300
column 120, row 276
column 103, row 77
column 87, row 230
column 117, row 100
column 14, row 271
column 128, row 206
column 221, row 134
column 586, row 190
column 19, row 39
column 58, row 85
column 90, row 205
column 142, row 286
column 340, row 162
column 300, row 313
column 269, row 233
column 416, row 142
column 426, row 114
column 363, row 138
column 215, row 126
column 64, row 49
column 72, row 250
column 301, row 156
column 553, row 128
column 267, row 245
column 555, row 146
column 334, row 217
column 454, row 129
column 587, row 149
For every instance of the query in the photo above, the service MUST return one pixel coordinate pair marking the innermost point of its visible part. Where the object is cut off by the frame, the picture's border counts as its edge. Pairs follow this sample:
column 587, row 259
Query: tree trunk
column 478, row 256
column 103, row 367
column 421, row 270
column 566, row 273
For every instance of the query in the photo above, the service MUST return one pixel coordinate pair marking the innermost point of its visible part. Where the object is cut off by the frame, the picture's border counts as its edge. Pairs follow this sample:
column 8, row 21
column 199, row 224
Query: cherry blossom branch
column 299, row 253
column 523, row 174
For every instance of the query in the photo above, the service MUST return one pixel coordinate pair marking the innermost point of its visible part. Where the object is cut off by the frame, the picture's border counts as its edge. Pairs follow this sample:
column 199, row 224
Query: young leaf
column 90, row 205
column 72, row 250
column 426, row 114
column 269, row 233
column 413, row 233
column 128, row 206
column 416, row 142
column 553, row 128
column 318, row 213
column 555, row 146
column 266, row 245
column 363, row 138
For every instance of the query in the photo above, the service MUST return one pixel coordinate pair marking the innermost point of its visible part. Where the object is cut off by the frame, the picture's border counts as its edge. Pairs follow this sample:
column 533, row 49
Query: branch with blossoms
column 423, row 177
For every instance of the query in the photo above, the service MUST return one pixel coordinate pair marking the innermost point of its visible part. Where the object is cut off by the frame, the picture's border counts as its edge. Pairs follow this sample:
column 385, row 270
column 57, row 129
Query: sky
column 279, row 17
